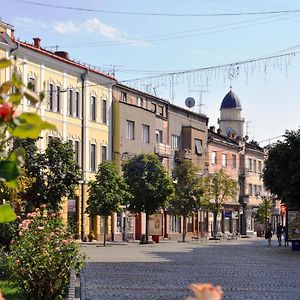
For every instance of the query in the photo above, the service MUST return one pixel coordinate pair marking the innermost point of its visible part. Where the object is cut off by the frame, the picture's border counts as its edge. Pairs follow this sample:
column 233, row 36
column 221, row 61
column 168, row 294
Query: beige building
column 77, row 101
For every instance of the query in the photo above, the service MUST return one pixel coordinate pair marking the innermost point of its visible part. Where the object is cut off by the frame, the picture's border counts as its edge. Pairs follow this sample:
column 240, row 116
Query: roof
column 231, row 100
column 68, row 61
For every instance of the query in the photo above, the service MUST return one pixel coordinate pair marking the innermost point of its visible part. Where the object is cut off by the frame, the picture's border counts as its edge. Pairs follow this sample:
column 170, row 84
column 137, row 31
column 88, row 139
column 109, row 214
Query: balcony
column 183, row 154
column 162, row 150
column 244, row 173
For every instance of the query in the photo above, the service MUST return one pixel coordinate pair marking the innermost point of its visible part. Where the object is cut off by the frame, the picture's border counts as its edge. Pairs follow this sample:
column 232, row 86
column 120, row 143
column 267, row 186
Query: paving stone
column 246, row 269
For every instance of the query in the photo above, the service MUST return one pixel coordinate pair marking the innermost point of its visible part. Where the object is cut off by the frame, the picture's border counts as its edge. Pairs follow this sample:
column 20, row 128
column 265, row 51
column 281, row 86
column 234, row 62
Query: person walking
column 268, row 235
column 285, row 236
column 279, row 233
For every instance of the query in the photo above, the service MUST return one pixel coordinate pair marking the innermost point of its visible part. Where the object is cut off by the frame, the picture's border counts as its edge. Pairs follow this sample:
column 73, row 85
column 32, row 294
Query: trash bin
column 155, row 238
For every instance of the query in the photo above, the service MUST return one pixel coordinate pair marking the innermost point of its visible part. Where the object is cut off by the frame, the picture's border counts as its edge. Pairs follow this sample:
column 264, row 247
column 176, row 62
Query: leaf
column 16, row 98
column 5, row 87
column 4, row 63
column 8, row 170
column 30, row 95
column 18, row 156
column 27, row 131
column 7, row 213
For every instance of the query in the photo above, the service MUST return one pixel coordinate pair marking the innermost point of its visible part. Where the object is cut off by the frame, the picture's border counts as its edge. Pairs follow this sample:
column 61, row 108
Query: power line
column 177, row 35
column 155, row 14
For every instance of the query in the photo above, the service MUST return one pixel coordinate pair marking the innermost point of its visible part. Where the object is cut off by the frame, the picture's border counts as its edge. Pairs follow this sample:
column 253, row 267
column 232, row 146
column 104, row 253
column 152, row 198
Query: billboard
column 293, row 222
column 155, row 223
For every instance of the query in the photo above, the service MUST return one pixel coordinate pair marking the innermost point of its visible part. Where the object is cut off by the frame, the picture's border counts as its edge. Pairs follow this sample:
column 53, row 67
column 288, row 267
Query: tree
column 264, row 211
column 188, row 192
column 149, row 184
column 282, row 169
column 219, row 188
column 55, row 175
column 107, row 193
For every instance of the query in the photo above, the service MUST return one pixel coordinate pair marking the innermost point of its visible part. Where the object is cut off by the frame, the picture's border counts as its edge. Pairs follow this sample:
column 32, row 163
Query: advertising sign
column 155, row 223
column 293, row 222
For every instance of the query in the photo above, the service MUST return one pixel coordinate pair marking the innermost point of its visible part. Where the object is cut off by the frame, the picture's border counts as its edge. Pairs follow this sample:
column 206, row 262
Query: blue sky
column 270, row 99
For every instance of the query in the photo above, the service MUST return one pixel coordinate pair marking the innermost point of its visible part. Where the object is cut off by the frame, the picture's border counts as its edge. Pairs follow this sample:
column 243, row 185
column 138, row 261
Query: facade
column 188, row 133
column 140, row 125
column 224, row 154
column 77, row 101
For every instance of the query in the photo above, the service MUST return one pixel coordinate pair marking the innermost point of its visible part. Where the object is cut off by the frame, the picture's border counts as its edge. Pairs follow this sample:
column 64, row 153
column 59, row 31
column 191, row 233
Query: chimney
column 37, row 42
column 212, row 128
column 12, row 34
column 62, row 54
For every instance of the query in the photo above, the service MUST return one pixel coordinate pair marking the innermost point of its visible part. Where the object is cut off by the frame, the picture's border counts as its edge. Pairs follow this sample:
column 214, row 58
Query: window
column 175, row 141
column 214, row 157
column 32, row 86
column 153, row 107
column 224, row 159
column 77, row 104
column 104, row 153
column 104, row 111
column 259, row 166
column 129, row 130
column 159, row 136
column 51, row 97
column 254, row 166
column 93, row 158
column 70, row 142
column 70, row 103
column 77, row 154
column 160, row 110
column 58, row 102
column 234, row 161
column 250, row 189
column 140, row 101
column 93, row 108
column 145, row 133
column 198, row 147
column 250, row 164
column 124, row 97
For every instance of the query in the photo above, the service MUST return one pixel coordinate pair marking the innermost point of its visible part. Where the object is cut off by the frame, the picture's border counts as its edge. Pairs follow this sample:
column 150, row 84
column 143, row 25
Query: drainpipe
column 83, row 160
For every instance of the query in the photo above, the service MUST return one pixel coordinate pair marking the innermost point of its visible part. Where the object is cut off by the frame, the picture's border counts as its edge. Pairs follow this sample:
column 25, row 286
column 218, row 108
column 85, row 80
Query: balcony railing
column 183, row 154
column 163, row 150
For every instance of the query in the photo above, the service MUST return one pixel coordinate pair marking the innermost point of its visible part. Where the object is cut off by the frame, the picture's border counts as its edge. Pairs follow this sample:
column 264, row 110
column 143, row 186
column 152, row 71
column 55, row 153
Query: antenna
column 200, row 92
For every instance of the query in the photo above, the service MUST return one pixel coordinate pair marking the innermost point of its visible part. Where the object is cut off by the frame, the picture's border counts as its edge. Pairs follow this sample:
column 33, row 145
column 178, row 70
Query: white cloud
column 95, row 25
column 28, row 23
column 67, row 27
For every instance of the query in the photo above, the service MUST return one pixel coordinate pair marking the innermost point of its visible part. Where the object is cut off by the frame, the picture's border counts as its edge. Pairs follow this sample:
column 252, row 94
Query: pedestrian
column 279, row 233
column 268, row 234
column 285, row 236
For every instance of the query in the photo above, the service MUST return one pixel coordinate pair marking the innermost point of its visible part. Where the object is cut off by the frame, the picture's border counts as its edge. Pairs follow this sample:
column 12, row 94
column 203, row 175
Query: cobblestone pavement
column 246, row 269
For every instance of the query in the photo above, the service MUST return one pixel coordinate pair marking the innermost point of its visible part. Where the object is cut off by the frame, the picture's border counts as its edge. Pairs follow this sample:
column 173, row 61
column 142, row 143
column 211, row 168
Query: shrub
column 42, row 256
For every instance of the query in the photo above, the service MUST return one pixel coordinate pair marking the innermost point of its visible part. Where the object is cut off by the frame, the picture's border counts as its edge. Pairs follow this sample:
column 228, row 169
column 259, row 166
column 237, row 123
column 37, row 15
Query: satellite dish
column 190, row 102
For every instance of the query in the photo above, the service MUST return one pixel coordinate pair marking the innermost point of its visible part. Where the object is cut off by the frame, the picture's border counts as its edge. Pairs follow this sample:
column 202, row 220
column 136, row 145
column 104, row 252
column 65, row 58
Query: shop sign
column 227, row 214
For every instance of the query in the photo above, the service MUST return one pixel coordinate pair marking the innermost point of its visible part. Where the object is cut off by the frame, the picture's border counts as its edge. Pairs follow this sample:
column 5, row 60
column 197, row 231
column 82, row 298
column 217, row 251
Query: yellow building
column 77, row 101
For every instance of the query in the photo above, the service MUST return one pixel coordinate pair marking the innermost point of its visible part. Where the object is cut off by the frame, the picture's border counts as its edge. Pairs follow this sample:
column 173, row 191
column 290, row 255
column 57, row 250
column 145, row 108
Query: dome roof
column 231, row 100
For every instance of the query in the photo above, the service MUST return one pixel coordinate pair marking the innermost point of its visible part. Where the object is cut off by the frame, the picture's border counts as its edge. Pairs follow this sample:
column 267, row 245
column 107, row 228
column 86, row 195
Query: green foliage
column 55, row 174
column 148, row 182
column 264, row 211
column 10, row 290
column 41, row 257
column 282, row 169
column 7, row 214
column 108, row 192
column 219, row 188
column 25, row 125
column 188, row 189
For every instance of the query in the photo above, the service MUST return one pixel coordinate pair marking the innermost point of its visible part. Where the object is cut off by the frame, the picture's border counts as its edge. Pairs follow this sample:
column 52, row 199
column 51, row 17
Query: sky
column 136, row 46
